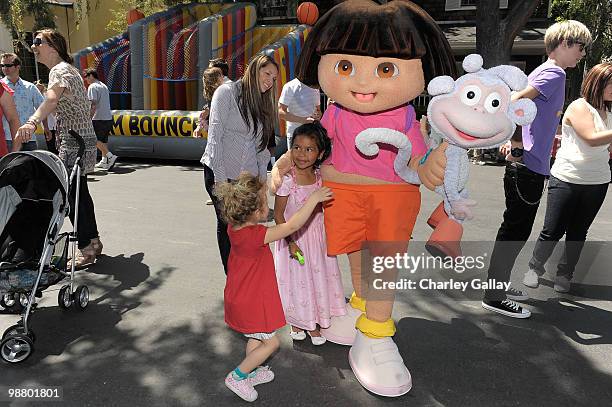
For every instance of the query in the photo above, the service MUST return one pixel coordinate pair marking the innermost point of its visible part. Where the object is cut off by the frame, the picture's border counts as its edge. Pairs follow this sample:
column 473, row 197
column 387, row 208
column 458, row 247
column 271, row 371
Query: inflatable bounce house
column 154, row 70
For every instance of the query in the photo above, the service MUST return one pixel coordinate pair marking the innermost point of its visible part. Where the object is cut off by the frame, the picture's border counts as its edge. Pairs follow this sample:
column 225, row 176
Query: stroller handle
column 80, row 141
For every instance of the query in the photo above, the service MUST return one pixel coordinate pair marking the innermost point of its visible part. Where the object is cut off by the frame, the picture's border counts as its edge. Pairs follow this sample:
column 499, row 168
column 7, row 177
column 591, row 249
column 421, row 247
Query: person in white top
column 101, row 117
column 579, row 178
column 298, row 104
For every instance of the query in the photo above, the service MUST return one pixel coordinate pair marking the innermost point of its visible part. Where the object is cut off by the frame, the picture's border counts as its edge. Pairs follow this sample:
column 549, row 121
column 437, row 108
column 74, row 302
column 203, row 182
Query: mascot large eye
column 493, row 102
column 344, row 68
column 387, row 70
column 470, row 95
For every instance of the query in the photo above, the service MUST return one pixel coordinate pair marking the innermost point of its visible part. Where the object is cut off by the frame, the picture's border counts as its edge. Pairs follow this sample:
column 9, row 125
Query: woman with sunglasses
column 66, row 97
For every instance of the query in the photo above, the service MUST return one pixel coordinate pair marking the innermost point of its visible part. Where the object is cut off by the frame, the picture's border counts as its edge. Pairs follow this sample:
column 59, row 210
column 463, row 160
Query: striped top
column 231, row 147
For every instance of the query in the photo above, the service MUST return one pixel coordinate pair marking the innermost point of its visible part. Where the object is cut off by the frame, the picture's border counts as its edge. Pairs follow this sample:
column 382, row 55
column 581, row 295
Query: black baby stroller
column 34, row 190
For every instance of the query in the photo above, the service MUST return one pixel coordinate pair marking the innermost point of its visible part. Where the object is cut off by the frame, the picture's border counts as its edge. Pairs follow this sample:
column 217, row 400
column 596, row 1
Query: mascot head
column 369, row 57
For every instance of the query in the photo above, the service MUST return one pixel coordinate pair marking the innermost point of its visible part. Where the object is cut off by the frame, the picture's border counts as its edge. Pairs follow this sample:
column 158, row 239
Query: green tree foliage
column 595, row 14
column 12, row 13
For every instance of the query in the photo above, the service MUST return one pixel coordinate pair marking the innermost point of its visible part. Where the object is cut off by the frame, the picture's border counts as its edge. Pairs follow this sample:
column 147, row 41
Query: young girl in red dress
column 252, row 302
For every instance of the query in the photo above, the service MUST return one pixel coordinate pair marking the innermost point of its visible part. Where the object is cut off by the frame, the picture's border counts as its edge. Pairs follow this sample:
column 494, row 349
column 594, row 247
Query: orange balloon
column 134, row 15
column 307, row 13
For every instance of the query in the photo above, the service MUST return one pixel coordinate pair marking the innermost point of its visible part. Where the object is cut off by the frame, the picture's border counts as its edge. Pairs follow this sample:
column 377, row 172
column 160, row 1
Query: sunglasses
column 8, row 65
column 582, row 45
column 38, row 42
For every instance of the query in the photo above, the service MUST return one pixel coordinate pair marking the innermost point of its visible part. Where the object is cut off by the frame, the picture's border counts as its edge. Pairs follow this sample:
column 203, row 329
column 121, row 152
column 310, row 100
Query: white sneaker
column 562, row 284
column 531, row 279
column 261, row 375
column 243, row 388
column 103, row 164
column 111, row 161
column 508, row 308
column 379, row 367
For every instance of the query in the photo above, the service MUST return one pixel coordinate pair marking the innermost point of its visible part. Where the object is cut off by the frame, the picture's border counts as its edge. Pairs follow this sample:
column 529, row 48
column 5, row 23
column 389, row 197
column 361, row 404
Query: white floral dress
column 73, row 112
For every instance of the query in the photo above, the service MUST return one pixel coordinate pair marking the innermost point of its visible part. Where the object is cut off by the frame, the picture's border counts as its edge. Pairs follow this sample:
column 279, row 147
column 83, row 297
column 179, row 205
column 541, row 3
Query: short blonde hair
column 240, row 199
column 571, row 31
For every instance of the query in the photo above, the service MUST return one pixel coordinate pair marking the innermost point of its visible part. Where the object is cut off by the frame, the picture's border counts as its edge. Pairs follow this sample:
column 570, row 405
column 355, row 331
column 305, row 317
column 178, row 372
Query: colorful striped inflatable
column 111, row 59
column 167, row 52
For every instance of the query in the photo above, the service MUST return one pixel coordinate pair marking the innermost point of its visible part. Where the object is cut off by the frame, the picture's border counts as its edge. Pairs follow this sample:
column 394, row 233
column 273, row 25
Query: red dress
column 252, row 301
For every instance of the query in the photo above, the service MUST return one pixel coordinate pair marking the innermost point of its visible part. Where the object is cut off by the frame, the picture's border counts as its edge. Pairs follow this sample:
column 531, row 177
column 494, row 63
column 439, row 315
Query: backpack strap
column 410, row 116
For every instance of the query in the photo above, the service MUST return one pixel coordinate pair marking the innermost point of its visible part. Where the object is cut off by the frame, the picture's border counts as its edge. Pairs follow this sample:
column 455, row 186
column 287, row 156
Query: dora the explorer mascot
column 372, row 60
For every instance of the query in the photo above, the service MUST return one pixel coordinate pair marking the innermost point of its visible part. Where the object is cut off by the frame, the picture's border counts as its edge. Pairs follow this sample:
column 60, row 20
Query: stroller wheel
column 16, row 349
column 8, row 300
column 24, row 298
column 11, row 303
column 18, row 329
column 64, row 298
column 81, row 297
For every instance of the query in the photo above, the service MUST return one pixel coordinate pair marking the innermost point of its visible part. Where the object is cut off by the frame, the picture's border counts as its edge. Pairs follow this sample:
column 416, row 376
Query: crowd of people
column 580, row 171
column 299, row 282
column 307, row 288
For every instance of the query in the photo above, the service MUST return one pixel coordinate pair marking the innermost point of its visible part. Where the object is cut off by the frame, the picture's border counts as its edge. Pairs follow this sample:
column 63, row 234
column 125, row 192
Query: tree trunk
column 490, row 38
column 495, row 36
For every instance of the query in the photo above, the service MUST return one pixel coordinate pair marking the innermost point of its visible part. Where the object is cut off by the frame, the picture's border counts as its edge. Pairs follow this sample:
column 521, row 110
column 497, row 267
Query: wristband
column 425, row 156
column 35, row 120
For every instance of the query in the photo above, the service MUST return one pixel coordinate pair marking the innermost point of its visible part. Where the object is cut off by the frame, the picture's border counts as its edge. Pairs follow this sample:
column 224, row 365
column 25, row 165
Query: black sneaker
column 516, row 295
column 508, row 308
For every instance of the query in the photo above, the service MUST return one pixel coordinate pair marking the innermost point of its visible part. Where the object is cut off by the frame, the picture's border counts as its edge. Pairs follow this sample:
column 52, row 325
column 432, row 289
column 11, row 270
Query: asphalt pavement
column 153, row 333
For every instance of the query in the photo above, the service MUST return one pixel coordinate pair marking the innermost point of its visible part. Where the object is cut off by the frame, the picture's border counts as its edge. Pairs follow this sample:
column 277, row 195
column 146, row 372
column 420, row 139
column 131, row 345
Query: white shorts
column 261, row 336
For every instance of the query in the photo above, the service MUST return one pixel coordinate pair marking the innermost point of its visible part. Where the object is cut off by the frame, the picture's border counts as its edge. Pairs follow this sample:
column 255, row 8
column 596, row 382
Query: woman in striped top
column 241, row 129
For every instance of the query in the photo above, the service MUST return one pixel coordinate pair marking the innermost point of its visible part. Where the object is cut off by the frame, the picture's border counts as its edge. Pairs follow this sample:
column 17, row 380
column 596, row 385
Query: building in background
column 92, row 29
column 6, row 40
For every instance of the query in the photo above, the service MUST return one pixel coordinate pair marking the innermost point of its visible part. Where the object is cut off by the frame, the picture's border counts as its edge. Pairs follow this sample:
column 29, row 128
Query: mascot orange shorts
column 362, row 213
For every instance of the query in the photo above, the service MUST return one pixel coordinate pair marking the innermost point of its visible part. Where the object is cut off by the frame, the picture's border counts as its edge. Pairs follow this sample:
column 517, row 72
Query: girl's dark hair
column 56, row 41
column 398, row 29
column 594, row 84
column 318, row 133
